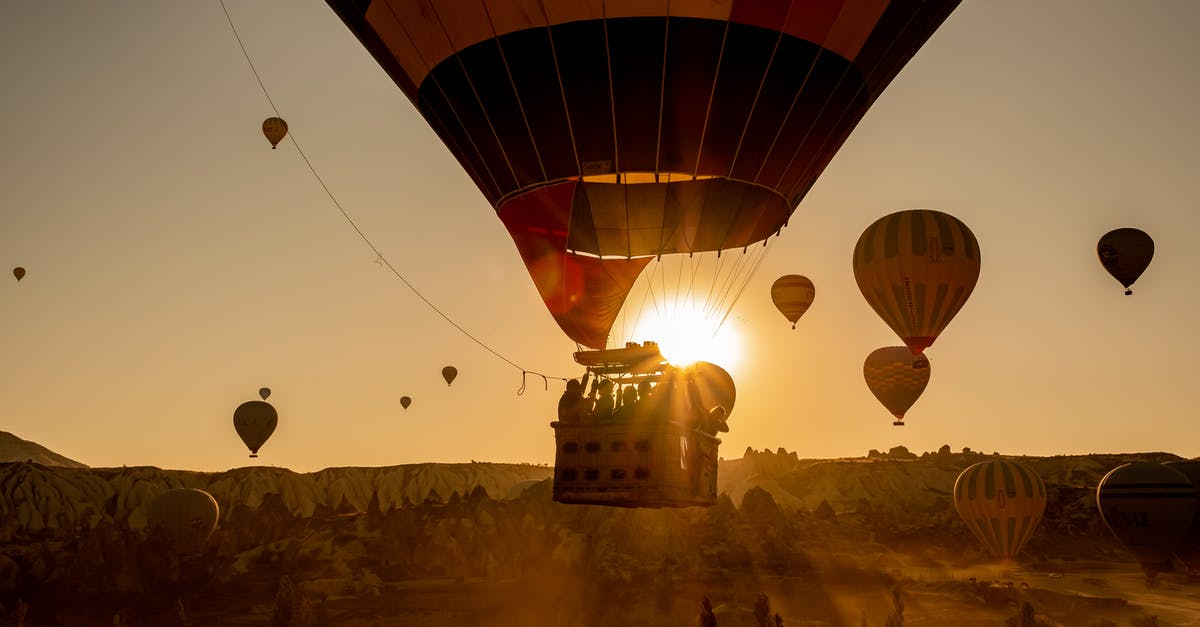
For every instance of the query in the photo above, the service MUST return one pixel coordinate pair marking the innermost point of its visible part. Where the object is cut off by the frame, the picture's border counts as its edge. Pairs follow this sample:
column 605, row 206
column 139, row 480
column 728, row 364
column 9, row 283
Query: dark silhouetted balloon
column 449, row 373
column 264, row 393
column 715, row 385
column 1125, row 254
column 1001, row 502
column 275, row 129
column 255, row 421
column 1189, row 550
column 1149, row 508
column 894, row 380
column 405, row 402
column 917, row 268
column 186, row 516
column 630, row 130
column 19, row 273
column 792, row 295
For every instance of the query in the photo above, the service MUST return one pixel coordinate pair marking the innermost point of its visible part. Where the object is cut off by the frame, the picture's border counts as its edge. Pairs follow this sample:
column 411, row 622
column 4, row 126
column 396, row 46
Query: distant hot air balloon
column 275, row 129
column 255, row 421
column 625, row 131
column 1125, row 254
column 19, row 272
column 792, row 295
column 264, row 393
column 186, row 516
column 715, row 386
column 917, row 268
column 405, row 402
column 1001, row 502
column 1149, row 508
column 449, row 373
column 1189, row 550
column 894, row 379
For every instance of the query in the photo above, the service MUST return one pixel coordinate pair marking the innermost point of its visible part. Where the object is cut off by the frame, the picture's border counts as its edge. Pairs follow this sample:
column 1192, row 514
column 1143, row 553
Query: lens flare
column 687, row 334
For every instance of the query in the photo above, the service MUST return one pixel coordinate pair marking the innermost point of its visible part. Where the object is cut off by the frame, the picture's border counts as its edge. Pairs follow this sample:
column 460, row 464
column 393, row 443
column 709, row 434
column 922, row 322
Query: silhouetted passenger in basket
column 571, row 405
column 629, row 404
column 603, row 408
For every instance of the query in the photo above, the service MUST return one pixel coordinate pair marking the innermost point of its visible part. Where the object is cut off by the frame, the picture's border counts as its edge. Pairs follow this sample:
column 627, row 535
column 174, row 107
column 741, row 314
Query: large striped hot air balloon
column 792, row 295
column 894, row 379
column 1125, row 254
column 1001, row 502
column 185, row 516
column 917, row 268
column 608, row 133
column 1149, row 508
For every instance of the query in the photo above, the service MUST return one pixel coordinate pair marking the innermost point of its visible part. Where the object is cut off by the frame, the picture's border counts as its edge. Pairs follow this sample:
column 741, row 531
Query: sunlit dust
column 686, row 334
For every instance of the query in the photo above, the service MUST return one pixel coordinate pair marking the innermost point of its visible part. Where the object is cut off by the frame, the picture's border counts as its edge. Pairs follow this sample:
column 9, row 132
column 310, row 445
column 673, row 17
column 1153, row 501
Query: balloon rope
column 363, row 236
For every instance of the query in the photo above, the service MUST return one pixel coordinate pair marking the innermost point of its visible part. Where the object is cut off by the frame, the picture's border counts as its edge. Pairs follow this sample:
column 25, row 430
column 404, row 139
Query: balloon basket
column 634, row 464
column 898, row 423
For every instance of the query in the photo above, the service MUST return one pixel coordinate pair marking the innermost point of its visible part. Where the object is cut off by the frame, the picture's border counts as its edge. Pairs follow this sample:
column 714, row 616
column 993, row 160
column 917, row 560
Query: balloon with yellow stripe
column 1001, row 502
column 894, row 379
column 793, row 295
column 916, row 268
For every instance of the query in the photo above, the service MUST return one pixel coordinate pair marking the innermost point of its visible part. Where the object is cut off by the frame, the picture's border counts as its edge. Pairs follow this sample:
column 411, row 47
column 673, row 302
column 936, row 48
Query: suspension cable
column 363, row 236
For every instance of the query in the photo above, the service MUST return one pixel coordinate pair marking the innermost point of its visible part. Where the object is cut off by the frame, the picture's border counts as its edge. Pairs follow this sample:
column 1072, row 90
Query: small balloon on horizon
column 19, row 272
column 275, row 129
column 449, row 373
column 264, row 393
column 405, row 402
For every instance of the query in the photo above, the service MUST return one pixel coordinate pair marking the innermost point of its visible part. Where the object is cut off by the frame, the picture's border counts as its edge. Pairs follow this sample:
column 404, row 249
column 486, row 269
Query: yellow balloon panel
column 1002, row 503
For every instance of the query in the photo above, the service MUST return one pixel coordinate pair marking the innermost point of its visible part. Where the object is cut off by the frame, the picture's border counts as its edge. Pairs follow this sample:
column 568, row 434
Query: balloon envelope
column 917, row 268
column 1189, row 550
column 275, row 129
column 187, row 516
column 1149, row 508
column 449, row 373
column 405, row 402
column 1001, row 502
column 894, row 380
column 255, row 421
column 792, row 295
column 715, row 385
column 1125, row 254
column 263, row 393
column 19, row 273
column 629, row 130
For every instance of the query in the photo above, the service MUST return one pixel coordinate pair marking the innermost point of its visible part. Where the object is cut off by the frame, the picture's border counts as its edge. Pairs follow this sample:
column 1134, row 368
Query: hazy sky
column 176, row 264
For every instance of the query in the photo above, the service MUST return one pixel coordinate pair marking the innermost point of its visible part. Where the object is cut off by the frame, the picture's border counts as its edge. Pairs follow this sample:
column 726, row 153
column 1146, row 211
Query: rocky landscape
column 819, row 542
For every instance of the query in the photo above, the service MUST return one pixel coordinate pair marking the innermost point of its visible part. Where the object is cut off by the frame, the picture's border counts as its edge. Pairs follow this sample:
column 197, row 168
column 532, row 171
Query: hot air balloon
column 1149, row 508
column 1189, row 550
column 275, row 129
column 255, row 421
column 19, row 272
column 917, row 268
column 185, row 516
column 1001, row 502
column 792, row 295
column 1125, row 254
column 609, row 134
column 264, row 393
column 449, row 373
column 894, row 379
column 405, row 402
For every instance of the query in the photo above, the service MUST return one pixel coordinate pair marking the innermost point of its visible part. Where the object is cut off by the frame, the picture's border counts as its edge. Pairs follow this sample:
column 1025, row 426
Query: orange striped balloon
column 917, row 268
column 792, row 295
column 894, row 379
column 1002, row 503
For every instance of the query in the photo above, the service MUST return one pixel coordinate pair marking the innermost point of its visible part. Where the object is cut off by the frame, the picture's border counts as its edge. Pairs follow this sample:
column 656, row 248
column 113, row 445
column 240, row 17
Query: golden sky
column 176, row 264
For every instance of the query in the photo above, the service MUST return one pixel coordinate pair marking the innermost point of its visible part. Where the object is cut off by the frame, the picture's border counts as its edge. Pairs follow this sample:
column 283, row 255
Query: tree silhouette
column 707, row 618
column 896, row 617
column 762, row 611
column 1028, row 618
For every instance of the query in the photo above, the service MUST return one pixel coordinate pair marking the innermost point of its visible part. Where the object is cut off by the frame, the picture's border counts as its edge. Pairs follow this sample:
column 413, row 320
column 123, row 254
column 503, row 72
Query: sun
column 686, row 334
